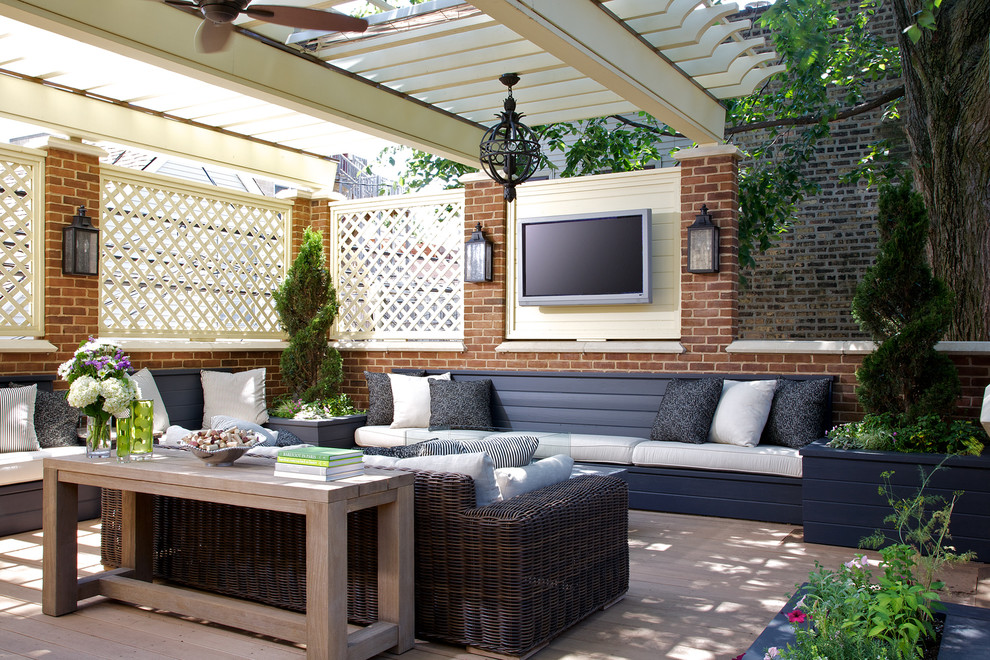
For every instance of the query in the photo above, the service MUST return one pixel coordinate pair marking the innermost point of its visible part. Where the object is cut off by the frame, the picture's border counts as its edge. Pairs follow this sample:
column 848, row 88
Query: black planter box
column 335, row 432
column 966, row 633
column 841, row 503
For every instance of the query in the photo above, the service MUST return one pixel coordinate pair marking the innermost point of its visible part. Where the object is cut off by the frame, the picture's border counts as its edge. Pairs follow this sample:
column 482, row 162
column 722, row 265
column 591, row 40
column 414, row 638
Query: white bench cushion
column 19, row 467
column 762, row 459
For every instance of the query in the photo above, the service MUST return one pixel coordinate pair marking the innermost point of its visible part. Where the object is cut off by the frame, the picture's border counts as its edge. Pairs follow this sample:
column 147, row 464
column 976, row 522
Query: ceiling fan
column 219, row 16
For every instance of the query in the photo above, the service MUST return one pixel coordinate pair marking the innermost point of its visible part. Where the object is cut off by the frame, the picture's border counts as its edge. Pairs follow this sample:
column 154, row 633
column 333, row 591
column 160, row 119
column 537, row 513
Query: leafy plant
column 906, row 310
column 927, row 434
column 290, row 407
column 307, row 305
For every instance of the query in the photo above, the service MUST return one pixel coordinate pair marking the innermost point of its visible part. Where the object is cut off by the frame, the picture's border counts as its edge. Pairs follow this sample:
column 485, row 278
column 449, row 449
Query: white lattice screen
column 398, row 267
column 22, row 249
column 188, row 261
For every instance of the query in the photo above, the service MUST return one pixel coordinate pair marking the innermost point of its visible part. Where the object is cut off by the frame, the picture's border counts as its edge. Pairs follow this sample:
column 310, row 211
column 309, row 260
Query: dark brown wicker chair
column 507, row 577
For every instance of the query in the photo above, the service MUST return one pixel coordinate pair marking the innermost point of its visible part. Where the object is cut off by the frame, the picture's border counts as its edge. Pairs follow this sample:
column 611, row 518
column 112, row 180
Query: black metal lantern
column 510, row 150
column 478, row 257
column 80, row 246
column 702, row 244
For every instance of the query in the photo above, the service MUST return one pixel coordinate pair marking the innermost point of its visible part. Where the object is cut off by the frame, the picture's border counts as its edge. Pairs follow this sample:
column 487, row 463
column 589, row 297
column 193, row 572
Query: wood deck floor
column 701, row 589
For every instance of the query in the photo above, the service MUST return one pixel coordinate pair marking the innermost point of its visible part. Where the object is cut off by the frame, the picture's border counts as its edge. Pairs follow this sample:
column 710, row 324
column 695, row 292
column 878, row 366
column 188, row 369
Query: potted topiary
column 306, row 304
column 908, row 391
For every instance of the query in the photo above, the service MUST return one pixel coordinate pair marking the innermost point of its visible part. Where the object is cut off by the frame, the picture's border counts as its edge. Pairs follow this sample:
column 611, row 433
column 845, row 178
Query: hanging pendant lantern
column 510, row 150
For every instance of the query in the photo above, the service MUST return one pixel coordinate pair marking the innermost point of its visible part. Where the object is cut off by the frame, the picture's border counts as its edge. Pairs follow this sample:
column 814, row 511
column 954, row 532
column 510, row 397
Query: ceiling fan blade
column 311, row 19
column 182, row 4
column 212, row 37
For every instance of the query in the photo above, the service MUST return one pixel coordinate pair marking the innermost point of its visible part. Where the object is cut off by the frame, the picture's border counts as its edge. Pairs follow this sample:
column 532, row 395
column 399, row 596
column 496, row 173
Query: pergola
column 282, row 102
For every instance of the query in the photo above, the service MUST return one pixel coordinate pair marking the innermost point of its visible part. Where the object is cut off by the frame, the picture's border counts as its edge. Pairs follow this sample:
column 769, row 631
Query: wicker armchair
column 507, row 577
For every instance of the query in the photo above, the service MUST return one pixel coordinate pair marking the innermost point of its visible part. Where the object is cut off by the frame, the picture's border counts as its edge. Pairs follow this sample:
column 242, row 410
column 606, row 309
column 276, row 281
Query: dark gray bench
column 626, row 404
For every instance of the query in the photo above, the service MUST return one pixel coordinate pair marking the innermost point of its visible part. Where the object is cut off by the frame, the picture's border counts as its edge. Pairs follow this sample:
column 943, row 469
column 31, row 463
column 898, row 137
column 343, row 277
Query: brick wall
column 803, row 287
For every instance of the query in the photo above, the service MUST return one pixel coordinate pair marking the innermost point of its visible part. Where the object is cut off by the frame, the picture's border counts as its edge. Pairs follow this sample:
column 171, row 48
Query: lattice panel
column 399, row 269
column 189, row 263
column 22, row 247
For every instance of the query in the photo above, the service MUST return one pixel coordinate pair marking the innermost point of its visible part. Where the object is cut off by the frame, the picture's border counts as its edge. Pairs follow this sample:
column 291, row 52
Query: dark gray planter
column 334, row 432
column 966, row 633
column 841, row 505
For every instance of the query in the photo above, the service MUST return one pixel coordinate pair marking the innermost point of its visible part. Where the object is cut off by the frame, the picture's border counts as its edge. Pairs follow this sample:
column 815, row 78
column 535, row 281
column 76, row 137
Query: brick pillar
column 484, row 302
column 72, row 302
column 710, row 301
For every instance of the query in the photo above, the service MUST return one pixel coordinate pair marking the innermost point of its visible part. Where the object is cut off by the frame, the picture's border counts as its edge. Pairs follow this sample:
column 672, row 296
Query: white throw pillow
column 17, row 419
column 411, row 400
column 514, row 481
column 240, row 395
column 377, row 460
column 478, row 466
column 149, row 390
column 742, row 412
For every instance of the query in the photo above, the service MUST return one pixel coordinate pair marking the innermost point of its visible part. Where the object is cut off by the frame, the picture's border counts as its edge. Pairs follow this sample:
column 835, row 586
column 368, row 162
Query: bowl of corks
column 220, row 448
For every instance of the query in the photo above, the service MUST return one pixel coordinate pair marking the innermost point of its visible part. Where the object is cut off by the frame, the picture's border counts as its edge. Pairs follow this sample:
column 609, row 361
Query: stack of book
column 319, row 463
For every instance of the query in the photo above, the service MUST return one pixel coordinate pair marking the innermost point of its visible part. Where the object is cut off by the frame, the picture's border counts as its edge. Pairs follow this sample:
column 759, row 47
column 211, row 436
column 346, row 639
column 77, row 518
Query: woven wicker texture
column 507, row 577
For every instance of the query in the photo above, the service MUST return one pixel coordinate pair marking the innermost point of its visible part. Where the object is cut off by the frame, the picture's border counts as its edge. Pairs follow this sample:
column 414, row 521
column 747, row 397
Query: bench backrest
column 45, row 382
column 182, row 393
column 580, row 402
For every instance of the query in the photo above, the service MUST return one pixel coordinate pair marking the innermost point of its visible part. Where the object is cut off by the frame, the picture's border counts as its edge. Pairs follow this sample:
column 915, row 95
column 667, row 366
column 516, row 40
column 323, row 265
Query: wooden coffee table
column 249, row 482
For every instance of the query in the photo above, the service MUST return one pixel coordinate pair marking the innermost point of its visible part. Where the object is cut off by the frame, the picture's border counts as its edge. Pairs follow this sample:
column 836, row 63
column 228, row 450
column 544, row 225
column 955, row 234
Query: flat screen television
column 586, row 259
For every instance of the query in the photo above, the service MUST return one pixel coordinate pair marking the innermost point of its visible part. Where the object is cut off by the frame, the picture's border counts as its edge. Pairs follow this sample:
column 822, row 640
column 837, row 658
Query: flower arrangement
column 98, row 385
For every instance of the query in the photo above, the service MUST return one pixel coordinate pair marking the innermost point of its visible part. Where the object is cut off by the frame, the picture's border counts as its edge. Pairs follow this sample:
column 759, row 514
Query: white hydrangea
column 83, row 391
column 117, row 396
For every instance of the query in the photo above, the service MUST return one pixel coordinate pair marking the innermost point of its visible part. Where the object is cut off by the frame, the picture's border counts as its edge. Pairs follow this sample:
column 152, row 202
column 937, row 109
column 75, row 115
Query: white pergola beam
column 86, row 118
column 580, row 33
column 157, row 34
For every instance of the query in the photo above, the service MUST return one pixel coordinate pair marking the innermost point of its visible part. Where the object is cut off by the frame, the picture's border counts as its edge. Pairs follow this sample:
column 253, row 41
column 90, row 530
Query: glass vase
column 98, row 441
column 142, row 429
column 124, row 435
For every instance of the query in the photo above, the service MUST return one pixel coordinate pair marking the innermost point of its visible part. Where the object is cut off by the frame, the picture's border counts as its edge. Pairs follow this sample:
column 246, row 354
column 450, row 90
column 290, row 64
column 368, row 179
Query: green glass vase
column 142, row 428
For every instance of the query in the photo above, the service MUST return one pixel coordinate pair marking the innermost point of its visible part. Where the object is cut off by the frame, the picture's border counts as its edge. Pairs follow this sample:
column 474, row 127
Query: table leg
column 60, row 508
column 396, row 585
column 326, row 580
column 136, row 533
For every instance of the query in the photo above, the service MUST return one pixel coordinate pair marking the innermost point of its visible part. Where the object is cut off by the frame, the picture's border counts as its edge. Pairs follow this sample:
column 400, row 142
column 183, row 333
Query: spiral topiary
column 306, row 303
column 906, row 310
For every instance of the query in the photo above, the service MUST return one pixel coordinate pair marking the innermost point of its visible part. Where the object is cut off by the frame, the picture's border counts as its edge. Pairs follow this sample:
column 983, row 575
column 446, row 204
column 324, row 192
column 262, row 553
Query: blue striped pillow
column 505, row 450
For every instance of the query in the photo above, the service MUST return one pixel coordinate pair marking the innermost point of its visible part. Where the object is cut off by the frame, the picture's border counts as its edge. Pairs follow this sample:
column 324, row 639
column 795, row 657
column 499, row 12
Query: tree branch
column 892, row 95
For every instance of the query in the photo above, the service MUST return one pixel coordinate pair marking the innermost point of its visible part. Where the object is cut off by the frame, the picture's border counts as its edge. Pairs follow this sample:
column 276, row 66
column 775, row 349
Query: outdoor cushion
column 240, row 395
column 742, row 412
column 55, row 420
column 386, row 436
column 505, row 450
column 435, row 447
column 797, row 415
column 461, row 404
column 763, row 459
column 411, row 400
column 23, row 466
column 476, row 465
column 149, row 391
column 595, row 448
column 686, row 410
column 17, row 419
column 380, row 396
column 518, row 480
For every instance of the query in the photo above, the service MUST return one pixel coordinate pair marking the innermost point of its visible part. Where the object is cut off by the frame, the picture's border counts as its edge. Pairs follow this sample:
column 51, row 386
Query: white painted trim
column 183, row 345
column 75, row 147
column 400, row 346
column 706, row 150
column 27, row 346
column 848, row 347
column 669, row 347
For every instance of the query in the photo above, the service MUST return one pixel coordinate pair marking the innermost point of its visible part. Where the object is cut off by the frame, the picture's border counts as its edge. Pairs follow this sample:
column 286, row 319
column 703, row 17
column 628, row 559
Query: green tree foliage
column 906, row 310
column 306, row 303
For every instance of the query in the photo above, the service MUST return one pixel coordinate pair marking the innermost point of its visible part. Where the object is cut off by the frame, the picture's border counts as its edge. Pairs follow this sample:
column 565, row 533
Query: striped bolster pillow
column 17, row 419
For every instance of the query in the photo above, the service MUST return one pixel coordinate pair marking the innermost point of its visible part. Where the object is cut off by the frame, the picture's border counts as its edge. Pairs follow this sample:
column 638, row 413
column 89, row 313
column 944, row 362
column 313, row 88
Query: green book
column 318, row 462
column 328, row 454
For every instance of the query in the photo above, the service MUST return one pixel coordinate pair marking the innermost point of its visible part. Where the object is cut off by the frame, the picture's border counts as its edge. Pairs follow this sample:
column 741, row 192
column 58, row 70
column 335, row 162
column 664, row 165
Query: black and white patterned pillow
column 380, row 403
column 461, row 404
column 399, row 451
column 17, row 419
column 439, row 447
column 505, row 450
column 798, row 412
column 686, row 410
column 55, row 420
column 287, row 439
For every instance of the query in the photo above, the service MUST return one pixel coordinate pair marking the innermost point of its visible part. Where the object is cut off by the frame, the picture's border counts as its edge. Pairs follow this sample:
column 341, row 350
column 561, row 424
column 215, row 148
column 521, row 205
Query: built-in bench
column 671, row 477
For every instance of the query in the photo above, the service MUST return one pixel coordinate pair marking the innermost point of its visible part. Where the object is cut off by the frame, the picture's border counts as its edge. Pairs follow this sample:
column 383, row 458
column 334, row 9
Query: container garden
column 841, row 503
column 332, row 432
column 966, row 633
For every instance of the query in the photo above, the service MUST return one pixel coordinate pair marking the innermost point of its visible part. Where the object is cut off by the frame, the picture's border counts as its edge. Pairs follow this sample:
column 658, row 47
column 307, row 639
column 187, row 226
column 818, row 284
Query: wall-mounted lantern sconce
column 80, row 246
column 510, row 150
column 478, row 257
column 702, row 241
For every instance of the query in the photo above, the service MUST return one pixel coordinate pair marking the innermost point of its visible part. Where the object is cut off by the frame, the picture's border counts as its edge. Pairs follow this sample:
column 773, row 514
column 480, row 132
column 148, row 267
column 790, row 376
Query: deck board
column 700, row 588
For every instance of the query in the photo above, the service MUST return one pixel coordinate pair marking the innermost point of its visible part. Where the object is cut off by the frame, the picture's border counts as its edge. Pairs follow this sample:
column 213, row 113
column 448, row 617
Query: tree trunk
column 947, row 115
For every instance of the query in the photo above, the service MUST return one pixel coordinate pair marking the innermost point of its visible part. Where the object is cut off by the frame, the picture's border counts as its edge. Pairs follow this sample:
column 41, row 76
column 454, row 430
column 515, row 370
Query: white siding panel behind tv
column 658, row 190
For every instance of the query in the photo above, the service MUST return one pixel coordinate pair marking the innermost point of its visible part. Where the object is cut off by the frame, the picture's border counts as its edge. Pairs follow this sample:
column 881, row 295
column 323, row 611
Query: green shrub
column 927, row 434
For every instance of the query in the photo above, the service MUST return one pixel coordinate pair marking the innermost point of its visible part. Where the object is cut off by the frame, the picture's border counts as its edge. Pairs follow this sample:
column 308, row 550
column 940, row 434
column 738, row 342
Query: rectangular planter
column 841, row 503
column 334, row 432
